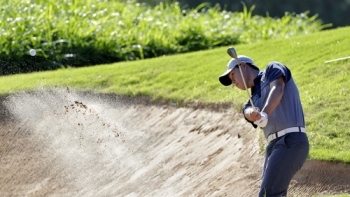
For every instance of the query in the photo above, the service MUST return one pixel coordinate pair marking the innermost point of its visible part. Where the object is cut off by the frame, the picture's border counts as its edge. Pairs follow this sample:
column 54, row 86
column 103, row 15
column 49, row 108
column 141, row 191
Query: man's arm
column 275, row 95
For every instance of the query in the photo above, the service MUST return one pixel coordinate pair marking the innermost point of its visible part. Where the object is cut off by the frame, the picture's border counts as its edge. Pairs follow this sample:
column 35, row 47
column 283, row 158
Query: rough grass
column 324, row 88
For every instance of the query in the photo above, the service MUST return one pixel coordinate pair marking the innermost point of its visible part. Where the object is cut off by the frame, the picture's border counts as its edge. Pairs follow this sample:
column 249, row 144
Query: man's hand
column 262, row 122
column 259, row 118
column 251, row 114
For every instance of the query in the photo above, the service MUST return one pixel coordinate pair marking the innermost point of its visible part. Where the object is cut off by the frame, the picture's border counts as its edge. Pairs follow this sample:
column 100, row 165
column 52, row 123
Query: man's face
column 236, row 78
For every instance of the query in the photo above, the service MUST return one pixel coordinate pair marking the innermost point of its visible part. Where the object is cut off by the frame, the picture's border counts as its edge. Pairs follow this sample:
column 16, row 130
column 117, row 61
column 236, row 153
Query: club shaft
column 244, row 83
column 232, row 53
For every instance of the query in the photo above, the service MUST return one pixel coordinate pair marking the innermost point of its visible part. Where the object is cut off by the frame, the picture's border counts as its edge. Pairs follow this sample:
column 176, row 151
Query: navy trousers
column 283, row 158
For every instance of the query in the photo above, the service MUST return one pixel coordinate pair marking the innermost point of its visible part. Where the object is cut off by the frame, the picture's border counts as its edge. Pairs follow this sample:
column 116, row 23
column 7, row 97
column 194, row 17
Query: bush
column 81, row 33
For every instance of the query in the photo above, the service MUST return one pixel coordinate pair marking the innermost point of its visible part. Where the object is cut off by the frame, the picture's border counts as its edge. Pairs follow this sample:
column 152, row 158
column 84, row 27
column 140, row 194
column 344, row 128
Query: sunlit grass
column 324, row 88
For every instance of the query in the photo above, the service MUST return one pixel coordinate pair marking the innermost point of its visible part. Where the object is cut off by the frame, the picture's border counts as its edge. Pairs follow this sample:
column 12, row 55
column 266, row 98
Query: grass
column 324, row 88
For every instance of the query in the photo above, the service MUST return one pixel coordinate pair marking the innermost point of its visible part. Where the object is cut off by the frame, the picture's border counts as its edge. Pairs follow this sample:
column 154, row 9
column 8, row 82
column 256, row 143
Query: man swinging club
column 281, row 118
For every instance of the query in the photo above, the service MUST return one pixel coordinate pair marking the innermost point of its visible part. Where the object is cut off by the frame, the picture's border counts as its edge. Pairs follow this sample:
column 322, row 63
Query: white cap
column 224, row 78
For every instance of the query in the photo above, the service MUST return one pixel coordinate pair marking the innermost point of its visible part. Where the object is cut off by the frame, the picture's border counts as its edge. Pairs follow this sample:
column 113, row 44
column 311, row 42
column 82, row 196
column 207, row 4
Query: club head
column 232, row 52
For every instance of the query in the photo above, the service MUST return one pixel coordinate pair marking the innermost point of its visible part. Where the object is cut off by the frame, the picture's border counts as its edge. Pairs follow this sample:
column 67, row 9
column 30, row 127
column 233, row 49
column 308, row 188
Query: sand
column 63, row 143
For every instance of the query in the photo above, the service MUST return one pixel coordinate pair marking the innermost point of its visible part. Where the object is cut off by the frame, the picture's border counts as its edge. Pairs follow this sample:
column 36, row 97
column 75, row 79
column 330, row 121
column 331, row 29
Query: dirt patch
column 61, row 143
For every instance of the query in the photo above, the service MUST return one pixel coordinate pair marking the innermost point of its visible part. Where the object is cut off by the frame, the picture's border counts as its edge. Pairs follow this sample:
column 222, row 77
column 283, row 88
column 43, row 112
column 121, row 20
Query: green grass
column 324, row 88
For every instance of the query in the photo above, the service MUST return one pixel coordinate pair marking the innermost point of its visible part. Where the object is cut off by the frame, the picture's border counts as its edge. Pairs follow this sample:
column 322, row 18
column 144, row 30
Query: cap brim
column 225, row 79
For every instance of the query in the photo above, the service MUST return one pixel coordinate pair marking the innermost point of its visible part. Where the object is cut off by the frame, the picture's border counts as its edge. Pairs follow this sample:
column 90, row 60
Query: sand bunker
column 61, row 143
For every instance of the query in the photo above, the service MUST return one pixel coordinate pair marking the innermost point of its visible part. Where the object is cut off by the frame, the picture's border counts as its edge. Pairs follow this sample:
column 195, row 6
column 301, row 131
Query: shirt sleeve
column 274, row 70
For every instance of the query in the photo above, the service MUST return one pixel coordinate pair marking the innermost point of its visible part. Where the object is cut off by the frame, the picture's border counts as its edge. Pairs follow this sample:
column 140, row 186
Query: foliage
column 329, row 11
column 81, row 33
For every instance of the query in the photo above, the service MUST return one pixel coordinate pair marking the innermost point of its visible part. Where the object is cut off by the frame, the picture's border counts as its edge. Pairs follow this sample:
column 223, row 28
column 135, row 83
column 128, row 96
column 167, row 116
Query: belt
column 284, row 132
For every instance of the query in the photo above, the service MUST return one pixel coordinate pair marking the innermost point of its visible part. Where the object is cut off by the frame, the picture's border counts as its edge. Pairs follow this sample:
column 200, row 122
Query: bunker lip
column 60, row 142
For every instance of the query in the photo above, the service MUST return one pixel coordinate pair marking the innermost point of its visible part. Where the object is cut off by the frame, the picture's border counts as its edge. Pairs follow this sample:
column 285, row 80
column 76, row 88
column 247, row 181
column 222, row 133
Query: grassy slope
column 193, row 76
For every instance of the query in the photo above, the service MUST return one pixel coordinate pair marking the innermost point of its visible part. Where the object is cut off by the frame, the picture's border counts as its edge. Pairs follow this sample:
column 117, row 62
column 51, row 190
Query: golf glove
column 262, row 122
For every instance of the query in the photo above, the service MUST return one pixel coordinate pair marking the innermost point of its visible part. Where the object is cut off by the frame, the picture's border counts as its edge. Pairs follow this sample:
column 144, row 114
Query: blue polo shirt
column 289, row 112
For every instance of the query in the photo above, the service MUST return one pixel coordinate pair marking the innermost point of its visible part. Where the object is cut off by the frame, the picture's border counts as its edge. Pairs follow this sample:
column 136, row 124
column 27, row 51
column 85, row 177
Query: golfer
column 281, row 117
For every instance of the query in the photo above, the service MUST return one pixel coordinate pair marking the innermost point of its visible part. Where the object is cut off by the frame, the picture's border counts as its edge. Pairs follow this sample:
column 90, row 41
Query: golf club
column 232, row 53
